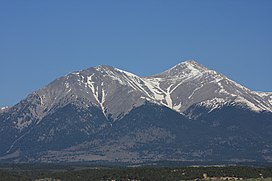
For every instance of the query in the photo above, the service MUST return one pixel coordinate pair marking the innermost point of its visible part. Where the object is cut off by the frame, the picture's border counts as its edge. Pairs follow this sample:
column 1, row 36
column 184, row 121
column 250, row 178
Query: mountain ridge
column 192, row 70
column 188, row 84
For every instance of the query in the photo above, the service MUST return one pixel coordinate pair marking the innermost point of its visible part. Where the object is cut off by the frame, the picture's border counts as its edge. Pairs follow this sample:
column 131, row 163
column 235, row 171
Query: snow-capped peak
column 99, row 67
column 191, row 65
column 188, row 68
column 190, row 83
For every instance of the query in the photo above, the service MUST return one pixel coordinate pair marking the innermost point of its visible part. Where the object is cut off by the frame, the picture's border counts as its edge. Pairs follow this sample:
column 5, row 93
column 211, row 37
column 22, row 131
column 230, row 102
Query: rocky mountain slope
column 106, row 114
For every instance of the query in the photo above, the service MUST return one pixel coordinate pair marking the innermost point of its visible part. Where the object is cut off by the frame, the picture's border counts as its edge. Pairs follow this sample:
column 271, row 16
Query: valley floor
column 83, row 173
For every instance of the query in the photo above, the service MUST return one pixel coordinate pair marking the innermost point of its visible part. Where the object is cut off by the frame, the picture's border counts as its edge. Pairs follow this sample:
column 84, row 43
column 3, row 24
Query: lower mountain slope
column 239, row 134
column 67, row 126
column 154, row 133
column 150, row 132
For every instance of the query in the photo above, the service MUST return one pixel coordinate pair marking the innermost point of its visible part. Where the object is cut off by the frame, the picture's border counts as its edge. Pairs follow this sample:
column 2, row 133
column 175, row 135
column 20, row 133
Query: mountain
column 104, row 114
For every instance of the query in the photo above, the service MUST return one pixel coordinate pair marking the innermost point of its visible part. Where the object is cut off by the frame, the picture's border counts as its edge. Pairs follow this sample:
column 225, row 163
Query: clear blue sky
column 42, row 40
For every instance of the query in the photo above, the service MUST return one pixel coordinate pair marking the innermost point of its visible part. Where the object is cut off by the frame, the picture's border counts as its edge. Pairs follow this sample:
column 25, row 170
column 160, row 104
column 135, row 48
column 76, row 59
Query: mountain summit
column 190, row 83
column 107, row 114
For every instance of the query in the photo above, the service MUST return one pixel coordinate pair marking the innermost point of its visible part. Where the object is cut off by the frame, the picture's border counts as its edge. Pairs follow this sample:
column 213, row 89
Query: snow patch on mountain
column 251, row 105
column 94, row 90
column 157, row 93
column 213, row 104
column 4, row 108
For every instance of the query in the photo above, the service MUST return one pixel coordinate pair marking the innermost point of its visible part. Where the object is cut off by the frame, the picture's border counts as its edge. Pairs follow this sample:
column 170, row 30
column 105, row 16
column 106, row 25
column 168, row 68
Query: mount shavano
column 106, row 115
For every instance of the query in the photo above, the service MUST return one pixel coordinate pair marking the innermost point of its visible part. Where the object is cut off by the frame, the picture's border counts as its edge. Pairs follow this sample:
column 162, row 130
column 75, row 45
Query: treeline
column 143, row 173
